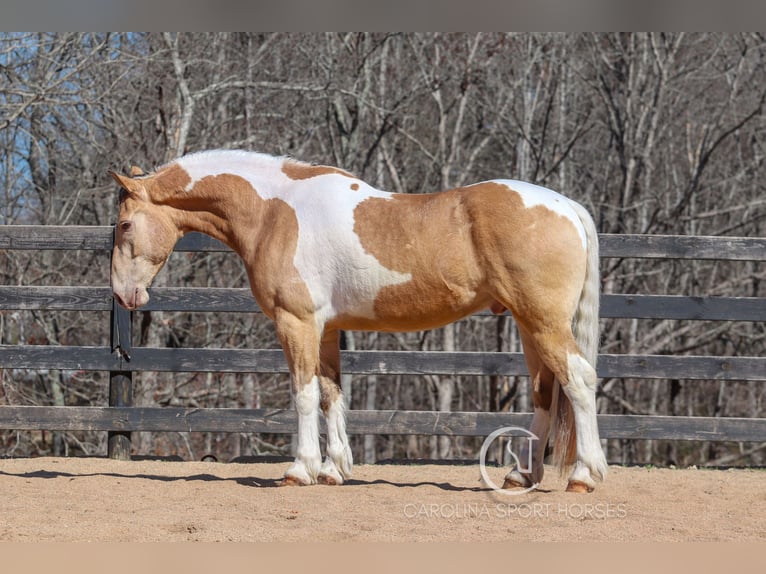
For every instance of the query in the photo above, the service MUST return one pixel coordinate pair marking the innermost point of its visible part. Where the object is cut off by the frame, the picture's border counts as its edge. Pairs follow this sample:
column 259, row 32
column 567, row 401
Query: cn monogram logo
column 524, row 467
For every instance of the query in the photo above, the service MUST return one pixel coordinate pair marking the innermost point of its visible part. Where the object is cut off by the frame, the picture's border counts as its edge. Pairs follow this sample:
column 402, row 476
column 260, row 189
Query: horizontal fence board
column 49, row 357
column 682, row 367
column 202, row 299
column 85, row 237
column 175, row 419
column 372, row 362
column 240, row 300
column 200, row 242
column 432, row 362
column 44, row 298
column 681, row 307
column 682, row 247
column 152, row 419
column 682, row 428
column 611, row 245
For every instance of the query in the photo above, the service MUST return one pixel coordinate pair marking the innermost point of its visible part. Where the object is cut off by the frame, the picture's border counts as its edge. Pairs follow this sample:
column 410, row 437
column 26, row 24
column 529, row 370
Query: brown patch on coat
column 228, row 208
column 535, row 255
column 354, row 186
column 166, row 183
column 472, row 248
column 297, row 170
column 428, row 236
column 329, row 369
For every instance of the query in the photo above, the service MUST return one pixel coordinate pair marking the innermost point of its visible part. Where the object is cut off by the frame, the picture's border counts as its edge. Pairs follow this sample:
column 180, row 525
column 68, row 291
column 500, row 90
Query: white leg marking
column 581, row 390
column 339, row 461
column 582, row 473
column 308, row 458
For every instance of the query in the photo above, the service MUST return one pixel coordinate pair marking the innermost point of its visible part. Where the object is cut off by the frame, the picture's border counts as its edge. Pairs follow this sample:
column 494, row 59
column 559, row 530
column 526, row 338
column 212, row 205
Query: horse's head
column 144, row 239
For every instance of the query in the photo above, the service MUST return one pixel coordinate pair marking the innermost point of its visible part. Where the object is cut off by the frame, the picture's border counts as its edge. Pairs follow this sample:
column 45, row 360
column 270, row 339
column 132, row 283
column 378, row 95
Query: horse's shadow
column 253, row 482
column 205, row 477
column 440, row 485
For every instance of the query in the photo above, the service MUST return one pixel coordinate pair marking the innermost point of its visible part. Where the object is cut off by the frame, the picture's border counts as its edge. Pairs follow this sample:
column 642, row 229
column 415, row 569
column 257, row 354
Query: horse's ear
column 132, row 187
column 136, row 171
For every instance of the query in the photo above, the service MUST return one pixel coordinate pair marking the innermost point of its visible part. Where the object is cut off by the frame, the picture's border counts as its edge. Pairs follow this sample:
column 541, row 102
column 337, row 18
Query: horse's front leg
column 300, row 342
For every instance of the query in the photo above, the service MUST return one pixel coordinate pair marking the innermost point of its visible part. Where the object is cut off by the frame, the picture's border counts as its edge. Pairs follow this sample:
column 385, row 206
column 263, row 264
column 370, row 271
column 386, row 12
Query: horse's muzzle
column 133, row 299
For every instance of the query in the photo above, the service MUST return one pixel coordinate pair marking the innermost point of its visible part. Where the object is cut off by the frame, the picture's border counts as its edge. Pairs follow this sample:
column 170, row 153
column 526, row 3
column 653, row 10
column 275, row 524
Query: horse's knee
column 306, row 396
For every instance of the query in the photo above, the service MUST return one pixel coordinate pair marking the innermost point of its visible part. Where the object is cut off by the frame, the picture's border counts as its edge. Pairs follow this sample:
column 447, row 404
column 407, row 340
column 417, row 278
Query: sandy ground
column 96, row 499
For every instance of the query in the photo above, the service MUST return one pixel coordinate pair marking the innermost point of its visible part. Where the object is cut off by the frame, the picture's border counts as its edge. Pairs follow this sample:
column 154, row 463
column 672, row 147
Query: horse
column 324, row 251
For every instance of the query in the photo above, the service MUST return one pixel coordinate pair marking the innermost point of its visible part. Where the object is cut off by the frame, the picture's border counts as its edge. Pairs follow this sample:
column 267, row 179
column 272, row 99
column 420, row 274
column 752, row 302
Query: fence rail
column 370, row 362
column 120, row 418
column 99, row 237
column 175, row 419
column 239, row 300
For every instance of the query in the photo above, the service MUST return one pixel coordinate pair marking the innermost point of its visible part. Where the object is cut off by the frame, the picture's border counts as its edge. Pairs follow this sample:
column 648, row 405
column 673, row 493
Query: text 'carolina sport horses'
column 325, row 251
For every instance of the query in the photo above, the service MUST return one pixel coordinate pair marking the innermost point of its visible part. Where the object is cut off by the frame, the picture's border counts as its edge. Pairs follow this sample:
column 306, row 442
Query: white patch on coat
column 341, row 276
column 533, row 195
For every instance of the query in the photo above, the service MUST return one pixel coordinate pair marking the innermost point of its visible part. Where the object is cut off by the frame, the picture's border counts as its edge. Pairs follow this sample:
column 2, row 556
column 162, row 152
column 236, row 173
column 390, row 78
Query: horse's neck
column 223, row 198
column 209, row 222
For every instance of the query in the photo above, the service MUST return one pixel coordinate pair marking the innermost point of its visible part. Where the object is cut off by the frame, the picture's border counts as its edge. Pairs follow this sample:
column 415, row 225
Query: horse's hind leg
column 560, row 353
column 339, row 461
column 590, row 464
column 542, row 385
column 557, row 350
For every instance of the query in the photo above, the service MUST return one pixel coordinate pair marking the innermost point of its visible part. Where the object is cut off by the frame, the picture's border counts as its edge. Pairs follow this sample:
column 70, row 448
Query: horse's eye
column 126, row 226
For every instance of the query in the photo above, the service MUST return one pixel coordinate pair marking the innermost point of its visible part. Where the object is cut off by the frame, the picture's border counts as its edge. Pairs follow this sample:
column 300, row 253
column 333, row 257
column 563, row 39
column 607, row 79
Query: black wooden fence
column 120, row 359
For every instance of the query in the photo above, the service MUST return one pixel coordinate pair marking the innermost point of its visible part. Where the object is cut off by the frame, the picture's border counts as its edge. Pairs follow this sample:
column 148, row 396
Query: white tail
column 585, row 323
column 585, row 329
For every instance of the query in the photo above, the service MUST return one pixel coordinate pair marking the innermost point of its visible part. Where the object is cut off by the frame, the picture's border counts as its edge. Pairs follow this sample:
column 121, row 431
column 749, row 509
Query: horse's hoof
column 327, row 479
column 578, row 486
column 292, row 481
column 509, row 483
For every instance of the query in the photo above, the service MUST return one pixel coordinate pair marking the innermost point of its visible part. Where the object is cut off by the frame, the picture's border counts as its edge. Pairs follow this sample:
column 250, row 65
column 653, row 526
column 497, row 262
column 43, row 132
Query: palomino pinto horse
column 324, row 251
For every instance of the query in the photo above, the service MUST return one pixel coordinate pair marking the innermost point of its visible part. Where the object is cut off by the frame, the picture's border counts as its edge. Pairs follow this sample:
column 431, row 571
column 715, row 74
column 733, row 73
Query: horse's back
column 522, row 205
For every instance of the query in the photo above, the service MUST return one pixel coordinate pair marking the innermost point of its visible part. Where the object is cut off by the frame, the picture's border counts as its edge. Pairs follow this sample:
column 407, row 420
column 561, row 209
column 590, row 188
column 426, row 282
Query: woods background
column 653, row 133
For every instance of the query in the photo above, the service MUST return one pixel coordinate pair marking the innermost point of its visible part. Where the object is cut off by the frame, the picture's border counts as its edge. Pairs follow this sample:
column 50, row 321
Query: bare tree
column 656, row 132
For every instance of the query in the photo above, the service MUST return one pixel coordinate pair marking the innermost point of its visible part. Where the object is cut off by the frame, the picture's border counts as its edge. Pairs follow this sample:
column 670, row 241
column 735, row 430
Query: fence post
column 120, row 382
